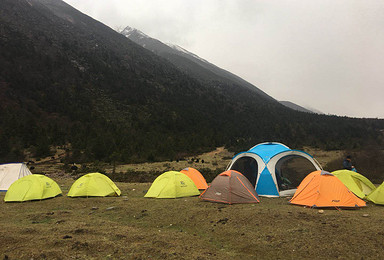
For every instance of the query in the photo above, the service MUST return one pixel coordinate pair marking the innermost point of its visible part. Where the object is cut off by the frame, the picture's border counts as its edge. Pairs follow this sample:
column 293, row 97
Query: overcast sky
column 327, row 55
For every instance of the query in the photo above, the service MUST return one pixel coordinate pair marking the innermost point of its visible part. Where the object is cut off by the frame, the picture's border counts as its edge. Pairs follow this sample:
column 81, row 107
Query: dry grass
column 140, row 228
column 133, row 227
column 324, row 157
column 217, row 159
column 212, row 160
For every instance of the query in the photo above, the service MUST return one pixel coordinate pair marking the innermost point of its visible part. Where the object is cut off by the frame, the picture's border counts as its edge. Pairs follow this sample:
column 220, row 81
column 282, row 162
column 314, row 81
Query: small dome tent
column 263, row 164
column 377, row 195
column 196, row 177
column 172, row 184
column 94, row 185
column 11, row 172
column 322, row 189
column 230, row 187
column 356, row 182
column 32, row 187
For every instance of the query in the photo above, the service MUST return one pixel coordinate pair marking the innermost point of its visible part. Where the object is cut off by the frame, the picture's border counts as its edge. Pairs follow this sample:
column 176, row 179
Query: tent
column 196, row 177
column 11, row 172
column 377, row 195
column 230, row 187
column 323, row 189
column 93, row 185
column 172, row 184
column 263, row 167
column 32, row 187
column 355, row 182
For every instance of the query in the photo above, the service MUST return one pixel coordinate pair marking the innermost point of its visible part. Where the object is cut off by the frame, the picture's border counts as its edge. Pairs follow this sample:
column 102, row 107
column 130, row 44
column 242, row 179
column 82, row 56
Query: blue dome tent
column 263, row 166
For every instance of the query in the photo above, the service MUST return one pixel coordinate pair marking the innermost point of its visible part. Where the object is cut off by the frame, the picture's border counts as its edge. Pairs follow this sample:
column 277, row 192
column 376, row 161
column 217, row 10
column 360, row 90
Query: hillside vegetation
column 69, row 81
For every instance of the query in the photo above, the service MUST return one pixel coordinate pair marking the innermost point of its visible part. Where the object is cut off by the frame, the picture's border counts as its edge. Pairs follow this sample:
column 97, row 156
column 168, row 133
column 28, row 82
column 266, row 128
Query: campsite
column 131, row 226
column 170, row 129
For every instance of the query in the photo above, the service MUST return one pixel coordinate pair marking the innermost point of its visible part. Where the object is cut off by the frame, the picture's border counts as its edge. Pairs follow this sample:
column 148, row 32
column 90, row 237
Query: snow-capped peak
column 178, row 48
column 128, row 31
column 140, row 38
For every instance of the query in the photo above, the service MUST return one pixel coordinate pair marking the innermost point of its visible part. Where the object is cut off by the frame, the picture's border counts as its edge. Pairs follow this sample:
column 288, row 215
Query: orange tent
column 230, row 187
column 196, row 177
column 323, row 189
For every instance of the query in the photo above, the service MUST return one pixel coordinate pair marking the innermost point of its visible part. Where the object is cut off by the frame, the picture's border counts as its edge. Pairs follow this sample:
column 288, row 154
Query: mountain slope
column 195, row 66
column 68, row 79
column 295, row 106
column 188, row 62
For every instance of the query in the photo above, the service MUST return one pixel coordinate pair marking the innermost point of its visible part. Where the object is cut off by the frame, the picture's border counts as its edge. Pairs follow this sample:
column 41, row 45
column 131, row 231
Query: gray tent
column 230, row 187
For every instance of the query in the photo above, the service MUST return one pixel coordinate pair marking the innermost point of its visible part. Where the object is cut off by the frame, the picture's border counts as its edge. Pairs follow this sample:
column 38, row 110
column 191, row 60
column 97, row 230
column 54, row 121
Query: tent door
column 248, row 167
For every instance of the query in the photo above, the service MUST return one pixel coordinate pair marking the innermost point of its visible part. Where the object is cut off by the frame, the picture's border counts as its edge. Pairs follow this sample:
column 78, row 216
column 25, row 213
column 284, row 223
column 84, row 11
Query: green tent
column 377, row 195
column 355, row 182
column 93, row 185
column 32, row 187
column 172, row 184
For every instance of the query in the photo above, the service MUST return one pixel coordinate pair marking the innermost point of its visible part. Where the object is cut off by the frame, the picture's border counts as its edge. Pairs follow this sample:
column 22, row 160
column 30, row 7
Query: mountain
column 295, row 107
column 195, row 66
column 314, row 110
column 68, row 80
column 190, row 63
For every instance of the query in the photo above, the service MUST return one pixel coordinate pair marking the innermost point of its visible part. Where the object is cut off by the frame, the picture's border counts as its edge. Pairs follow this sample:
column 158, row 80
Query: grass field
column 134, row 227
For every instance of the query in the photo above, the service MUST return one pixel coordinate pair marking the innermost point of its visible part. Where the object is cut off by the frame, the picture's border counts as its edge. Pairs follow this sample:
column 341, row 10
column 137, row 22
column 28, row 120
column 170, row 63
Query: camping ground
column 134, row 227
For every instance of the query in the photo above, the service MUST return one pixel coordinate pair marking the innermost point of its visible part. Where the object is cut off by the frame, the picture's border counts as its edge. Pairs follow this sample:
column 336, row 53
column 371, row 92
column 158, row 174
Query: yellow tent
column 377, row 196
column 172, row 184
column 93, row 185
column 355, row 182
column 32, row 187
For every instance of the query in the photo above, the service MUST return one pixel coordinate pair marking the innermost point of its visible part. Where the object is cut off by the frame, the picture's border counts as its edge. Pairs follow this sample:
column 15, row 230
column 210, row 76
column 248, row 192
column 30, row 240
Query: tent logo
column 335, row 200
column 183, row 184
column 218, row 193
column 47, row 185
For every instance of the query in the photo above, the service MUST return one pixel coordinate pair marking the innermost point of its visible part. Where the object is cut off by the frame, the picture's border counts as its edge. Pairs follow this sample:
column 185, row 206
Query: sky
column 322, row 54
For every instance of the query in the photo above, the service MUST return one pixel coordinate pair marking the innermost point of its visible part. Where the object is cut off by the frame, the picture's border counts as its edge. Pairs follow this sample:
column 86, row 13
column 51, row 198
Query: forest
column 80, row 85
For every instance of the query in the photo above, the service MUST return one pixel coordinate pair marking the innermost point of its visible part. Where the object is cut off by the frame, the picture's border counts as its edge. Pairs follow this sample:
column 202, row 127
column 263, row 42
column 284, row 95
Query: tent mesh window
column 291, row 170
column 248, row 167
